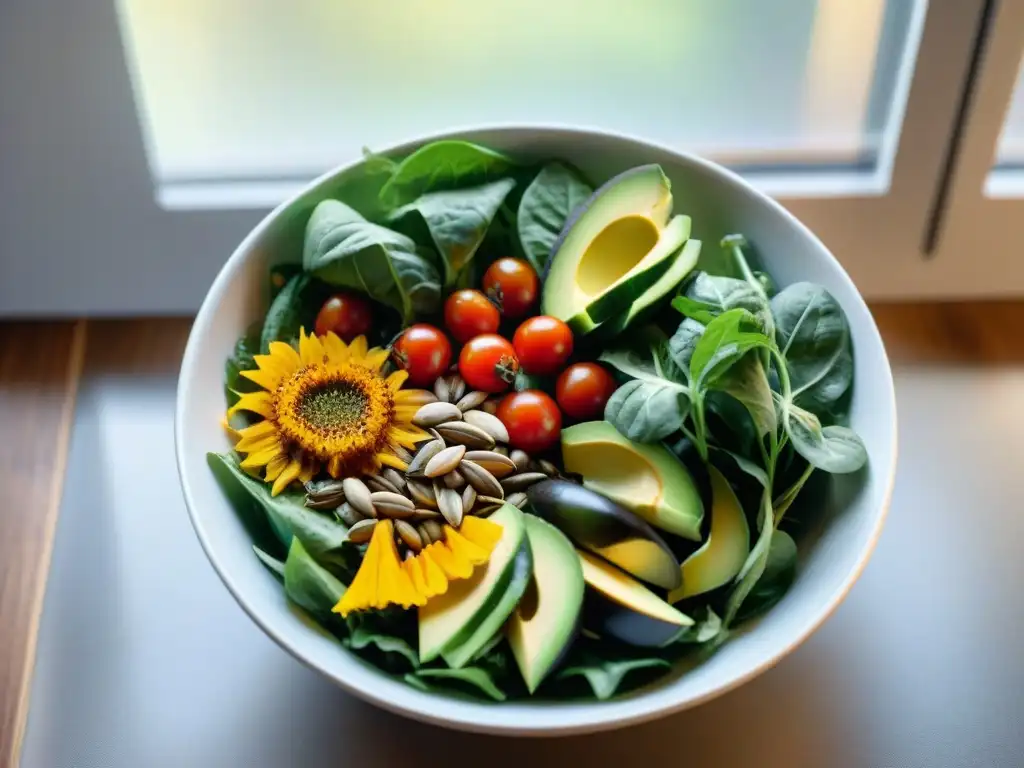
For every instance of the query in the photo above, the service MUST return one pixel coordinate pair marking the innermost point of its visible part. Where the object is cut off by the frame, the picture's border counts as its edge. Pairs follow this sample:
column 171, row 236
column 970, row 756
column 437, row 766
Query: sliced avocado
column 522, row 569
column 683, row 264
column 613, row 248
column 646, row 479
column 723, row 554
column 599, row 525
column 619, row 606
column 547, row 618
column 450, row 619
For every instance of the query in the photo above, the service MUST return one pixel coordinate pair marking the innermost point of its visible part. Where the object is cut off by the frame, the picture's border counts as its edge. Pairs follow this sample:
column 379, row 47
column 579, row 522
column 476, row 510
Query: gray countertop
column 144, row 659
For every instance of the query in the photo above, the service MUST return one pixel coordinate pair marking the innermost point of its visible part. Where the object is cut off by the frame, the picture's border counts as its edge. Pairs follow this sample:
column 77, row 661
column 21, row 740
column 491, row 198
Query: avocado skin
column 583, row 207
column 607, row 618
column 595, row 523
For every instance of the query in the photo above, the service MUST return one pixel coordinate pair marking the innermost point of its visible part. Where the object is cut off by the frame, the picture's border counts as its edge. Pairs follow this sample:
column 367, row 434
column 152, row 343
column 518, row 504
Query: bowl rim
column 596, row 720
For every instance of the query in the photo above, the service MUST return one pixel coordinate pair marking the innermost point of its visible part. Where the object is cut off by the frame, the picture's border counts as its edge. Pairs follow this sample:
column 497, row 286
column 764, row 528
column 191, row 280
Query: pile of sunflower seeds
column 466, row 468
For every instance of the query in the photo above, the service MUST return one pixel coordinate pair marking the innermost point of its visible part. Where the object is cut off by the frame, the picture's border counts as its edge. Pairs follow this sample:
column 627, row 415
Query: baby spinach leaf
column 456, row 221
column 392, row 647
column 632, row 363
column 322, row 536
column 554, row 194
column 441, row 164
column 726, row 339
column 753, row 567
column 294, row 307
column 707, row 296
column 272, row 563
column 707, row 624
column 605, row 676
column 646, row 410
column 748, row 466
column 834, row 449
column 478, row 679
column 683, row 342
column 240, row 360
column 746, row 381
column 779, row 574
column 814, row 338
column 343, row 248
column 308, row 584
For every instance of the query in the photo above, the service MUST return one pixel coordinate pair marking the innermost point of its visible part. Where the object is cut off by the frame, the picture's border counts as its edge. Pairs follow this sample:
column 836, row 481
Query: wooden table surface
column 41, row 365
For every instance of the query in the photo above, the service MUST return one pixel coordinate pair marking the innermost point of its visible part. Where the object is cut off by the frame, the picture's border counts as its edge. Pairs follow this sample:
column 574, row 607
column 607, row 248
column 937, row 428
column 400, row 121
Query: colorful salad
column 502, row 434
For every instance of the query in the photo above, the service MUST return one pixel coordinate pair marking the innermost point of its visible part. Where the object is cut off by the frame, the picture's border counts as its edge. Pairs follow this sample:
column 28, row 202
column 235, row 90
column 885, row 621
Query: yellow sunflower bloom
column 326, row 406
column 383, row 580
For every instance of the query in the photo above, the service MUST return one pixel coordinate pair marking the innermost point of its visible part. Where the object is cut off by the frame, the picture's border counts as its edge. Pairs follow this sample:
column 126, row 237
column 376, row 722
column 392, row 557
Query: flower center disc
column 333, row 407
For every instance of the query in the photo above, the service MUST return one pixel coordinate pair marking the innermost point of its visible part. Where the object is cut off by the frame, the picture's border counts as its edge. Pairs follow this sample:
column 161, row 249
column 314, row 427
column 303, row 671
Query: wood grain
column 39, row 370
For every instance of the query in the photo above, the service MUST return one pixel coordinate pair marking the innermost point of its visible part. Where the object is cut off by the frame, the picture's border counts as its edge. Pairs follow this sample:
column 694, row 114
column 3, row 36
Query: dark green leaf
column 683, row 342
column 478, row 679
column 363, row 637
column 834, row 449
column 308, row 584
column 779, row 574
column 547, row 202
column 746, row 381
column 814, row 338
column 240, row 360
column 272, row 563
column 707, row 296
column 440, row 165
column 455, row 221
column 605, row 676
column 707, row 624
column 647, row 411
column 280, row 274
column 343, row 248
column 753, row 567
column 726, row 339
column 748, row 466
column 294, row 307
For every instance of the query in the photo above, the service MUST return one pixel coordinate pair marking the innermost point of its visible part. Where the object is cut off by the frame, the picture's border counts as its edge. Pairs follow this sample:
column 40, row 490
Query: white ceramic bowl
column 719, row 202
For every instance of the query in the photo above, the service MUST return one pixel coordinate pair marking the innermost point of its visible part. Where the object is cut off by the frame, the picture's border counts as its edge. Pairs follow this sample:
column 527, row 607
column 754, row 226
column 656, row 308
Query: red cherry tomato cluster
column 489, row 362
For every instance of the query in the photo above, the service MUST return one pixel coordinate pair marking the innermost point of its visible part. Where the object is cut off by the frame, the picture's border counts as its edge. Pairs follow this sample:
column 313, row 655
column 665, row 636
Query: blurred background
column 141, row 139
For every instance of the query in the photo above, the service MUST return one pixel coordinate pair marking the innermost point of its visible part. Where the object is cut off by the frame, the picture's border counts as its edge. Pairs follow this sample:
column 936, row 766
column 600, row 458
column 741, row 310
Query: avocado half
column 621, row 607
column 450, row 620
column 547, row 617
column 646, row 479
column 613, row 248
column 599, row 525
column 723, row 554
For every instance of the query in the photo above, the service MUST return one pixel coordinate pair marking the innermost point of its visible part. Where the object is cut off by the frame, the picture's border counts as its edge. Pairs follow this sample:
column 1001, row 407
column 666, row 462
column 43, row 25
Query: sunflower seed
column 485, row 505
column 358, row 495
column 441, row 389
column 518, row 499
column 471, row 400
column 485, row 483
column 456, row 387
column 522, row 482
column 489, row 423
column 449, row 502
column 387, row 497
column 490, row 405
column 347, row 515
column 431, row 531
column 468, row 499
column 327, row 502
column 377, row 483
column 544, row 466
column 432, row 414
column 418, row 397
column 465, row 434
column 394, row 511
column 436, row 435
column 424, row 455
column 454, row 480
column 421, row 493
column 422, row 515
column 445, row 461
column 362, row 531
column 494, row 462
column 521, row 459
column 394, row 477
column 409, row 535
column 402, row 453
column 324, row 488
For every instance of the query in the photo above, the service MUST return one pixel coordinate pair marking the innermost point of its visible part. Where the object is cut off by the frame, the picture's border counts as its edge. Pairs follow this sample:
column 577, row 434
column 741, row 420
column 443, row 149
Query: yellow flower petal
column 336, row 350
column 375, row 358
column 357, row 349
column 276, row 466
column 259, row 429
column 308, row 470
column 233, row 434
column 407, row 437
column 257, row 444
column 288, row 474
column 454, row 565
column 390, row 460
column 411, row 397
column 334, row 466
column 261, row 403
column 286, row 355
column 362, row 592
column 414, row 568
column 433, row 576
column 266, row 379
column 393, row 583
column 260, row 458
column 311, row 351
column 463, row 547
column 481, row 531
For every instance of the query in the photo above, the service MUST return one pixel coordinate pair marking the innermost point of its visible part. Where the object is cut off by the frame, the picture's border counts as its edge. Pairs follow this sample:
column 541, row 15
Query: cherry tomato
column 424, row 352
column 583, row 390
column 543, row 344
column 488, row 363
column 347, row 314
column 512, row 285
column 469, row 313
column 532, row 419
